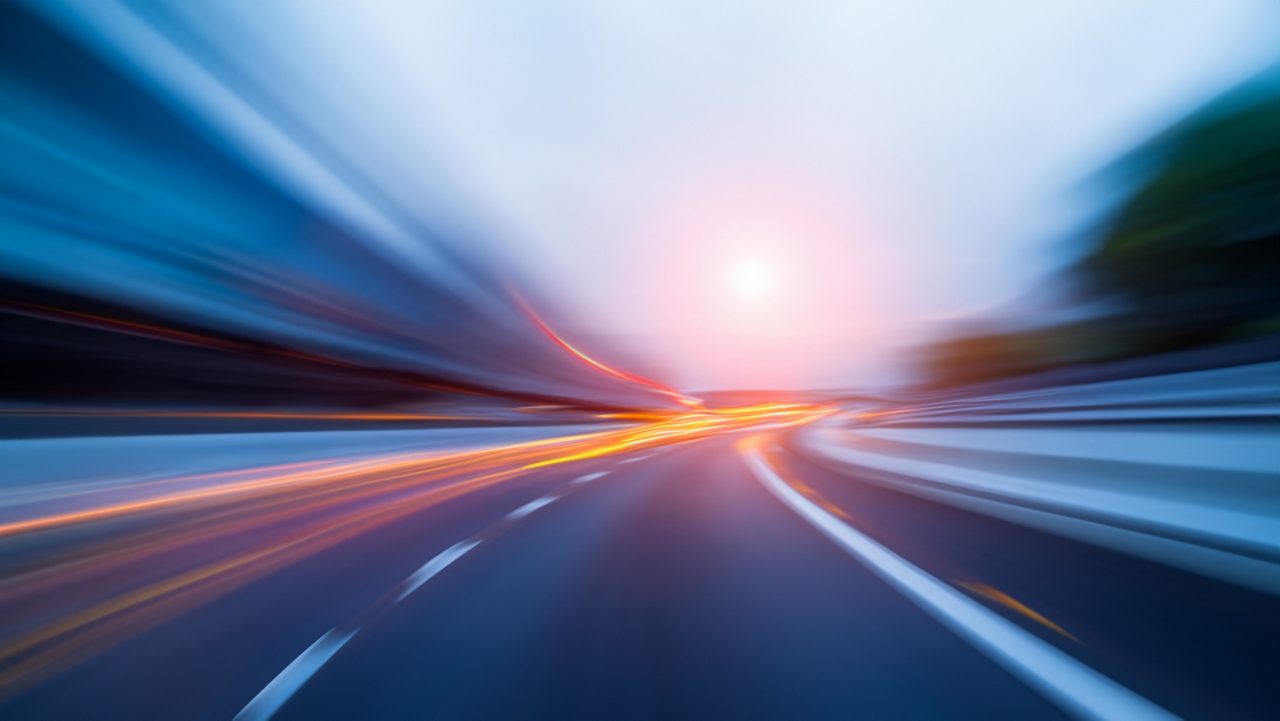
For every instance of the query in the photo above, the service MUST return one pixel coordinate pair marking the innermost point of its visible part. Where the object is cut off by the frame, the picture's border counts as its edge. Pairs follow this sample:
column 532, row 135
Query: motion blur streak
column 419, row 467
column 293, row 511
column 608, row 370
column 639, row 360
column 275, row 415
column 1005, row 599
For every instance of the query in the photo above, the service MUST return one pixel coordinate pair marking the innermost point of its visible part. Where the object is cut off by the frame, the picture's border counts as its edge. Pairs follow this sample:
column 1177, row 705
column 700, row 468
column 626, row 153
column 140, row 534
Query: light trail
column 188, row 546
column 669, row 392
column 240, row 415
column 1013, row 604
column 388, row 467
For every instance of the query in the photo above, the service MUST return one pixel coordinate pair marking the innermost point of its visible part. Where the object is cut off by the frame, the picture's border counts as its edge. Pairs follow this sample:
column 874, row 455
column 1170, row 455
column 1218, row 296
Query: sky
column 741, row 194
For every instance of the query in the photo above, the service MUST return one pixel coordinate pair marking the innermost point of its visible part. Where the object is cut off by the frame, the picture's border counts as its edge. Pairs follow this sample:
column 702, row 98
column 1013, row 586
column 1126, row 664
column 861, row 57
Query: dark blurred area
column 64, row 348
column 1181, row 275
column 152, row 258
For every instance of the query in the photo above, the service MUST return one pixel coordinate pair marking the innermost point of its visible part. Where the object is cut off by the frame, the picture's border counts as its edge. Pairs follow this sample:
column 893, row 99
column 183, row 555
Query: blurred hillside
column 1186, row 262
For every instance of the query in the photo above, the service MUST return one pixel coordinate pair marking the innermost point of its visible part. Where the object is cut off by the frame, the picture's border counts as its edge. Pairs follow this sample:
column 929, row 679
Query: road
column 661, row 571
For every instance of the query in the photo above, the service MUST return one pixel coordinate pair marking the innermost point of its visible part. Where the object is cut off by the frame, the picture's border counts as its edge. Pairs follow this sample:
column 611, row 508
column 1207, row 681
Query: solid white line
column 1073, row 686
column 590, row 477
column 287, row 682
column 530, row 507
column 434, row 566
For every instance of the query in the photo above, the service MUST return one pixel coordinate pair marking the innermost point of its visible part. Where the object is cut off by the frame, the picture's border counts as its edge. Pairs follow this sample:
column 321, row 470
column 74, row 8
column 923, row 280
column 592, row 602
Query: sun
column 751, row 278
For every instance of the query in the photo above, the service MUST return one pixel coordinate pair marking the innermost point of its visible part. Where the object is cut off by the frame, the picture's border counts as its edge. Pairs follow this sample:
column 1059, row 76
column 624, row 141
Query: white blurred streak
column 120, row 34
column 940, row 141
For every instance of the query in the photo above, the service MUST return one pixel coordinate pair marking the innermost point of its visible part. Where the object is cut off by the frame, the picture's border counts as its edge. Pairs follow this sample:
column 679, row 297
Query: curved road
column 730, row 576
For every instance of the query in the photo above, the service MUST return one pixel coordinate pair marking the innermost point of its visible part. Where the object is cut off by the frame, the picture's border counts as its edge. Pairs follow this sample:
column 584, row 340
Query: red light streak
column 568, row 347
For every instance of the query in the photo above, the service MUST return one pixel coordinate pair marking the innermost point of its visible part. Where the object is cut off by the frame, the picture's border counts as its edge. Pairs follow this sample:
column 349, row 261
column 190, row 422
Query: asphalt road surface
column 727, row 575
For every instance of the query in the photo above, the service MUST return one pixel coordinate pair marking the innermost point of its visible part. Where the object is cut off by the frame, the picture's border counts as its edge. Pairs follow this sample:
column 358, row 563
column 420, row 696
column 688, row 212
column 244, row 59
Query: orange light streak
column 253, row 522
column 1004, row 599
column 282, row 415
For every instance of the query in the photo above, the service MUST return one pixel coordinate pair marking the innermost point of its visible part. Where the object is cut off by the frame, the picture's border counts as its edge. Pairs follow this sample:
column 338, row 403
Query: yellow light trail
column 754, row 443
column 1013, row 604
column 100, row 588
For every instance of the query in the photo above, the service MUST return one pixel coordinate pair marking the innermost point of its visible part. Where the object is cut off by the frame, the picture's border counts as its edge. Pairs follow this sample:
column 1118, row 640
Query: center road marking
column 632, row 459
column 1071, row 685
column 529, row 507
column 287, row 682
column 434, row 566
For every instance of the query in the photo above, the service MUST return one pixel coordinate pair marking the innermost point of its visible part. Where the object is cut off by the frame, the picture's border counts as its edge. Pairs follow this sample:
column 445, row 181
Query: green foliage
column 1189, row 259
column 1196, row 245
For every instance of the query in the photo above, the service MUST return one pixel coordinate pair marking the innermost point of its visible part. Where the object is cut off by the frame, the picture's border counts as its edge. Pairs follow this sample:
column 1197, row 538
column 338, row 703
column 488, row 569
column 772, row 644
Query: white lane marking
column 434, row 566
column 590, row 477
column 530, row 507
column 287, row 682
column 1065, row 681
column 633, row 459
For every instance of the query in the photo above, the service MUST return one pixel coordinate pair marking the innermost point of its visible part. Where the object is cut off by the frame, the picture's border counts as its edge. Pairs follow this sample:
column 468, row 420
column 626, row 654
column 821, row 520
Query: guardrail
column 1202, row 493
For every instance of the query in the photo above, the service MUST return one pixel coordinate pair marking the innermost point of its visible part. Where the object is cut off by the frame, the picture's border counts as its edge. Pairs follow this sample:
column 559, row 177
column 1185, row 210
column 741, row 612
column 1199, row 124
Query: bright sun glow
column 751, row 278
